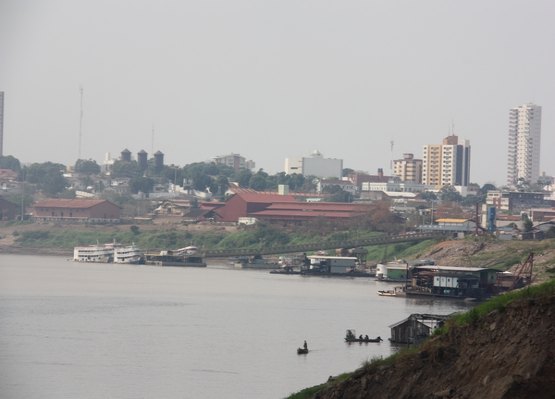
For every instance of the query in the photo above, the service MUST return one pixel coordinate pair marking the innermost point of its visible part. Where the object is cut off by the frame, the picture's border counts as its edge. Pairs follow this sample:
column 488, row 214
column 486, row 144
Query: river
column 74, row 330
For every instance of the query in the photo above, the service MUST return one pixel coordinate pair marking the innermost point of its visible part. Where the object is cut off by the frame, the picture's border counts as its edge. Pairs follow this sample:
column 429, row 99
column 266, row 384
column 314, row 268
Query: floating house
column 415, row 328
column 323, row 264
column 452, row 281
column 392, row 271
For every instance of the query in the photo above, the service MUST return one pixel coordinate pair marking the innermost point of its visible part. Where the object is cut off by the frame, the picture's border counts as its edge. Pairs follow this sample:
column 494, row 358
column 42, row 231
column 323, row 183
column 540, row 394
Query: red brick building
column 77, row 210
column 279, row 208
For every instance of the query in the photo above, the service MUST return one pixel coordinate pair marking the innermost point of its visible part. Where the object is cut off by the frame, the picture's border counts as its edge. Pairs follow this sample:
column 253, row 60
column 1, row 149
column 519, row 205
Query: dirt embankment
column 497, row 254
column 508, row 354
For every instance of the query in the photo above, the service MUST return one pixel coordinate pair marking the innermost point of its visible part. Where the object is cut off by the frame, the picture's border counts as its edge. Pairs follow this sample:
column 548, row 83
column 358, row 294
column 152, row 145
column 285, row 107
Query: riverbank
column 59, row 240
column 501, row 349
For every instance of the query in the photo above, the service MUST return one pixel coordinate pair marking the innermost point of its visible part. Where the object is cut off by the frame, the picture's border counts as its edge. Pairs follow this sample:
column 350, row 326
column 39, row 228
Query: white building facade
column 446, row 164
column 1, row 123
column 315, row 165
column 524, row 144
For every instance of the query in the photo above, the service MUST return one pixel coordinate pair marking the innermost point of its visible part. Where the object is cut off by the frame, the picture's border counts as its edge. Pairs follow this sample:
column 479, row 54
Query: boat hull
column 174, row 260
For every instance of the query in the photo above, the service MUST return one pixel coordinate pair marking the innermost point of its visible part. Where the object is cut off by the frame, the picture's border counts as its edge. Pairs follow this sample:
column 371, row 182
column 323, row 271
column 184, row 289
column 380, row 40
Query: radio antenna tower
column 392, row 144
column 152, row 141
column 80, row 122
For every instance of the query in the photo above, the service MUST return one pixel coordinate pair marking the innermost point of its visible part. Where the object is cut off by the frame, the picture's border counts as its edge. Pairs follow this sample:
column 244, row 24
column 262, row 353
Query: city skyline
column 362, row 82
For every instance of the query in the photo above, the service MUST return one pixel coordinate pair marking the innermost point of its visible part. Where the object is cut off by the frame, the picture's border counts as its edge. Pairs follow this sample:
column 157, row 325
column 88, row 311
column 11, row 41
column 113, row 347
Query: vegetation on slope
column 261, row 236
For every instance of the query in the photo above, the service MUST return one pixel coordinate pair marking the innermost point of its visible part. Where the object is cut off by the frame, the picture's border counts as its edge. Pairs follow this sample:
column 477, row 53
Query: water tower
column 126, row 155
column 159, row 160
column 142, row 159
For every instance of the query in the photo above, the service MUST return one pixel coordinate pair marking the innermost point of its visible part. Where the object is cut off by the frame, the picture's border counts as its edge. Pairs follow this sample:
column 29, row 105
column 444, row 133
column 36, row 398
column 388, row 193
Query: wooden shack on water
column 415, row 328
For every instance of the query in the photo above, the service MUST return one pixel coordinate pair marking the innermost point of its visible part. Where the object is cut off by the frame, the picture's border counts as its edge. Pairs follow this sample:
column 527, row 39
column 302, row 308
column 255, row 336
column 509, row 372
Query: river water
column 73, row 330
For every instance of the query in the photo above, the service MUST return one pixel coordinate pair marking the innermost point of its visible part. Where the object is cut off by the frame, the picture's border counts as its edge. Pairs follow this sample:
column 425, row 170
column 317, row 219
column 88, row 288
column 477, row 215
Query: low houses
column 345, row 185
column 452, row 225
column 76, row 210
column 173, row 207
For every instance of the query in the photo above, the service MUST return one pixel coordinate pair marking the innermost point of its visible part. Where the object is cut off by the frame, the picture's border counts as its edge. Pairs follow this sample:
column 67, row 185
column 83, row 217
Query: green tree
column 141, row 184
column 48, row 177
column 337, row 194
column 347, row 171
column 528, row 224
column 173, row 174
column 9, row 162
column 258, row 181
column 125, row 169
column 87, row 166
column 450, row 194
column 222, row 183
column 428, row 196
column 243, row 177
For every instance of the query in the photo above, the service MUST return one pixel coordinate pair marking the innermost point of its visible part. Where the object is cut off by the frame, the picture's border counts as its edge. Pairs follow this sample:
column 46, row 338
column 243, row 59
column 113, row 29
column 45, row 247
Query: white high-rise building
column 1, row 123
column 447, row 163
column 524, row 144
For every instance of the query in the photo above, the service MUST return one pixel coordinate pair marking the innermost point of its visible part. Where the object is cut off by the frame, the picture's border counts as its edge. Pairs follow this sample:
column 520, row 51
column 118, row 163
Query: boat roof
column 331, row 257
column 454, row 268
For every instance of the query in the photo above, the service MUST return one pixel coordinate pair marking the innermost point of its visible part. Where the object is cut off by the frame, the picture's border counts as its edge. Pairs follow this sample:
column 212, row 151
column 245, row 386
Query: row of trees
column 49, row 178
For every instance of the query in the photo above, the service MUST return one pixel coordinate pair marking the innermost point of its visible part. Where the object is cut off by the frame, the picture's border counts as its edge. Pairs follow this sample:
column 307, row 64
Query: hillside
column 489, row 252
column 506, row 353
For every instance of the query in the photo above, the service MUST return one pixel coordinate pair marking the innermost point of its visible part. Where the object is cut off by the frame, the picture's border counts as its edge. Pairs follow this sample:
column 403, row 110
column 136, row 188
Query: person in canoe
column 303, row 350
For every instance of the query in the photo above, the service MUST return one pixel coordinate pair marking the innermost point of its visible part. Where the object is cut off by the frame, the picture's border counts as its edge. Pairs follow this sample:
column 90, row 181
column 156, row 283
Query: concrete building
column 446, row 164
column 293, row 166
column 515, row 201
column 235, row 161
column 524, row 144
column 395, row 186
column 408, row 169
column 1, row 123
column 315, row 165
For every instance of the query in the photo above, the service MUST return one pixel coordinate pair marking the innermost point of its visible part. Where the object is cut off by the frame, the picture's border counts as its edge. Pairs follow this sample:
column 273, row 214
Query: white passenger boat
column 187, row 256
column 129, row 254
column 94, row 253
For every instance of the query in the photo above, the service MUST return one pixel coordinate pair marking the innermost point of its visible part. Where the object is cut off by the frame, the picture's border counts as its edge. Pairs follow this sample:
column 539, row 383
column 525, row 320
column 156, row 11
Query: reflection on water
column 98, row 330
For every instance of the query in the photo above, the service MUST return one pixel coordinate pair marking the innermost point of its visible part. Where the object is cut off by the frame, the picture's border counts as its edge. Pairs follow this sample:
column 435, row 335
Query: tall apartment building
column 447, row 163
column 524, row 144
column 408, row 169
column 1, row 123
column 235, row 161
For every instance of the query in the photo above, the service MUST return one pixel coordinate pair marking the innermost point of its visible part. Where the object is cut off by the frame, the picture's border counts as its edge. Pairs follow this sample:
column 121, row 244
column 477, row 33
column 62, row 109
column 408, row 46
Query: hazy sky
column 272, row 79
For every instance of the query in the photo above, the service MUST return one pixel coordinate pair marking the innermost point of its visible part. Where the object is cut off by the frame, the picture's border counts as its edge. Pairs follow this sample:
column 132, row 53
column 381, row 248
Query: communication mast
column 80, row 122
column 152, row 140
column 391, row 143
